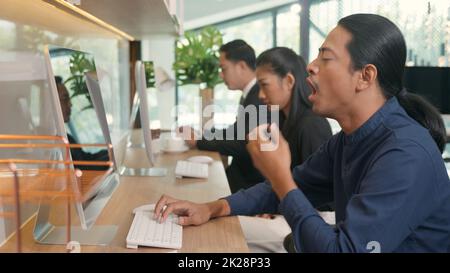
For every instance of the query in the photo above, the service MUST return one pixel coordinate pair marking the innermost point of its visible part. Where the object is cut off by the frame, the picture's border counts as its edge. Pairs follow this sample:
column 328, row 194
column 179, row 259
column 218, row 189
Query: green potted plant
column 197, row 61
column 79, row 65
column 149, row 74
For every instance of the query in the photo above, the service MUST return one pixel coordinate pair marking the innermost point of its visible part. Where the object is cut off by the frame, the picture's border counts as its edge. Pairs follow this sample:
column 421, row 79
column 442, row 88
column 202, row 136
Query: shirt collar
column 373, row 122
column 248, row 87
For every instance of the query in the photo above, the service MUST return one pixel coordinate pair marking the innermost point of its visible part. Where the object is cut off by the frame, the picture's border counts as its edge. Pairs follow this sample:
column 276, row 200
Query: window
column 7, row 35
column 425, row 25
column 288, row 27
column 256, row 30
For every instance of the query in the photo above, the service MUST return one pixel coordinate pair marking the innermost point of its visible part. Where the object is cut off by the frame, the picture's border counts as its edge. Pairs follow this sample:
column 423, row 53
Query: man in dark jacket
column 237, row 63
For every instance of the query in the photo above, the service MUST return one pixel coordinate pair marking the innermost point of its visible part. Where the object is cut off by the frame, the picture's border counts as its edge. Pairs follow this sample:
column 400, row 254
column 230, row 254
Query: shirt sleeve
column 395, row 196
column 224, row 147
column 231, row 141
column 262, row 199
column 255, row 200
column 224, row 141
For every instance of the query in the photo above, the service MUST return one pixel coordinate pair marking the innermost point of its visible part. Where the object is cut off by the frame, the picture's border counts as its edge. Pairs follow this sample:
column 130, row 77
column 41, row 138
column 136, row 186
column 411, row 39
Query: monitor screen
column 81, row 114
column 80, row 118
column 432, row 83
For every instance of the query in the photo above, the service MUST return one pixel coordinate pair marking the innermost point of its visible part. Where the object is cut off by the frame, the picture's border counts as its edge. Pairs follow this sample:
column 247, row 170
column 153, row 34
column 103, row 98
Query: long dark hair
column 282, row 60
column 378, row 41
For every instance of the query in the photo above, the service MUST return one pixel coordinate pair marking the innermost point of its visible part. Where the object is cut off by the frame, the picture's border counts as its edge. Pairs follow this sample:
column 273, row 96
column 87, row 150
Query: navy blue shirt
column 388, row 182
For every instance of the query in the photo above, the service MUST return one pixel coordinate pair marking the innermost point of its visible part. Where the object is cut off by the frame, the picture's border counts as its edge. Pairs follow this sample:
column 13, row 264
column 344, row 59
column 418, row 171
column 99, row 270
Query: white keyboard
column 191, row 169
column 145, row 231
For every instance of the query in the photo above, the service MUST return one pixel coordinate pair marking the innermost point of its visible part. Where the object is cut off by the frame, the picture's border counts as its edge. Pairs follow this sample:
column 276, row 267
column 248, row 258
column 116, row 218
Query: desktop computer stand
column 135, row 145
column 46, row 233
column 125, row 171
column 96, row 236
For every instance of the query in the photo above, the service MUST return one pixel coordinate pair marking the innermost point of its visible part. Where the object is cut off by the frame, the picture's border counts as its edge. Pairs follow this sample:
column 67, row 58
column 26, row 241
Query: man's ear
column 242, row 64
column 367, row 77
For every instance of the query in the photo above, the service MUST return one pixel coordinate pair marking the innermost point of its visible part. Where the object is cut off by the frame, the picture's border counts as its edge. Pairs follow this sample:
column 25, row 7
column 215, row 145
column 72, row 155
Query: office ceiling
column 195, row 9
column 203, row 12
column 135, row 17
column 148, row 17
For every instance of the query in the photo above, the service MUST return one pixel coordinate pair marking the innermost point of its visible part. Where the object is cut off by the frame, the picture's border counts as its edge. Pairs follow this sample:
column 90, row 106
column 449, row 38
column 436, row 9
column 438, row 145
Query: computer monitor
column 141, row 85
column 433, row 83
column 80, row 117
column 133, row 139
column 134, row 109
column 25, row 109
column 95, row 94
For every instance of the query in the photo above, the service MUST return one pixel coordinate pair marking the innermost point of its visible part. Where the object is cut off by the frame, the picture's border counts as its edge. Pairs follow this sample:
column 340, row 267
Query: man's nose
column 312, row 68
column 261, row 95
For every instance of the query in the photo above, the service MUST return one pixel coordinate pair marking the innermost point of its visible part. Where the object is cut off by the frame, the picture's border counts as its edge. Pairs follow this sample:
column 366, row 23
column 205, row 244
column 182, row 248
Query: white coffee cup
column 174, row 144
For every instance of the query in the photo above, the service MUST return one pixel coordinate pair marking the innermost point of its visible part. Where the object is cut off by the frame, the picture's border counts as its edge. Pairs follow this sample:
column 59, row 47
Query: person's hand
column 271, row 156
column 189, row 213
column 155, row 133
column 189, row 135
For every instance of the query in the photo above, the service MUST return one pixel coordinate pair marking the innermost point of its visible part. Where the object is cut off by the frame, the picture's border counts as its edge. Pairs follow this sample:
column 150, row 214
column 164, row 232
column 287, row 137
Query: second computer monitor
column 141, row 83
column 142, row 73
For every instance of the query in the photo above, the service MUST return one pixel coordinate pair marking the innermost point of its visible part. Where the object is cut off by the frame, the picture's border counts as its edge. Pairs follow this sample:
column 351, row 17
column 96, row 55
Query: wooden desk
column 219, row 235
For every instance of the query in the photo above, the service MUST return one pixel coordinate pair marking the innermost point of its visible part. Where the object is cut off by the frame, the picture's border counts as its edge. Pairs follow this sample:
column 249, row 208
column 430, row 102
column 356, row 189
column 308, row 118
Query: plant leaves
column 197, row 57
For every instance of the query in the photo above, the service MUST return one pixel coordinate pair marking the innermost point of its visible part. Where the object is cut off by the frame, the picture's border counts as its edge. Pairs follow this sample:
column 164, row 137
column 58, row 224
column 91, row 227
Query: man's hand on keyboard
column 189, row 213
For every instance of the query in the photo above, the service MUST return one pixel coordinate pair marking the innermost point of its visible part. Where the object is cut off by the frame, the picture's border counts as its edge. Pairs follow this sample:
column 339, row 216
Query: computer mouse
column 200, row 159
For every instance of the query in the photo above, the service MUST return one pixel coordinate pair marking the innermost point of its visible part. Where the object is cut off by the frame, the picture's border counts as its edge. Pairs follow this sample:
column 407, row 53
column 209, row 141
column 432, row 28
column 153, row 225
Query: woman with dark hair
column 281, row 76
column 384, row 170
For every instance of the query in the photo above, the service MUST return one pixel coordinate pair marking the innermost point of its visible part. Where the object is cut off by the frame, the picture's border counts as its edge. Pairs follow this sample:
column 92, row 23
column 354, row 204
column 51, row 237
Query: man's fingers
column 186, row 132
column 274, row 132
column 261, row 133
column 162, row 202
column 159, row 206
column 253, row 135
column 185, row 220
column 171, row 208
